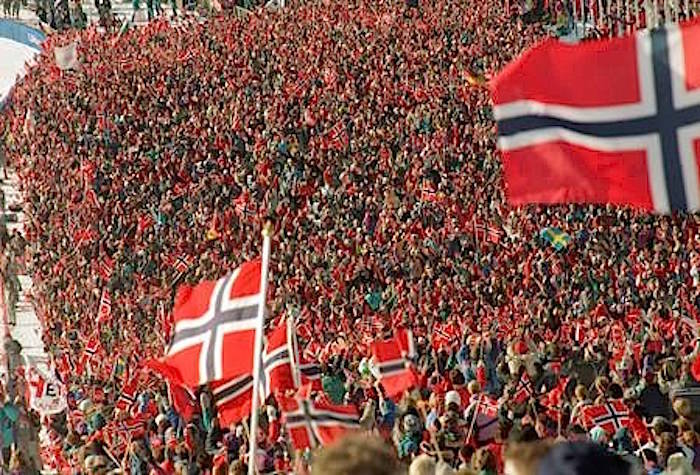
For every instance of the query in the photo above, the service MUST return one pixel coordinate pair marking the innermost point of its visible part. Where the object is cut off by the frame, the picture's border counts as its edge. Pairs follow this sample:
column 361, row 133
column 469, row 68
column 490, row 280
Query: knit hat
column 582, row 458
column 452, row 397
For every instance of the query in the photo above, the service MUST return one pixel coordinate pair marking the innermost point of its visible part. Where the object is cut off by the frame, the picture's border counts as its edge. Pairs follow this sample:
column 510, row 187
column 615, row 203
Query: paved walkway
column 27, row 330
column 121, row 9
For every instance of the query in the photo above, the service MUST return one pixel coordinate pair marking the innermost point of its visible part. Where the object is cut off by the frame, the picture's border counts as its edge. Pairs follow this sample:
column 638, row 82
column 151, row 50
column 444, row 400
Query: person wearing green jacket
column 333, row 387
column 9, row 413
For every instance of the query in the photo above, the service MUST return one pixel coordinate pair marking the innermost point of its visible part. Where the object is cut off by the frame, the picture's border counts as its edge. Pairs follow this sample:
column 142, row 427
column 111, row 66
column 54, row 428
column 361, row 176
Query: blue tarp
column 18, row 44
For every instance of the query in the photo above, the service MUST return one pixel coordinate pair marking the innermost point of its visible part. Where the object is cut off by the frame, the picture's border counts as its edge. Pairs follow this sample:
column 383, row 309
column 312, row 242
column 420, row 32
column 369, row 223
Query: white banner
column 66, row 56
column 47, row 396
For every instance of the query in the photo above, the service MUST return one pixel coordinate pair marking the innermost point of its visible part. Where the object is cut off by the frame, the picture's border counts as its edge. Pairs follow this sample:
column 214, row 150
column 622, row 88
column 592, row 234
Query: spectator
column 360, row 454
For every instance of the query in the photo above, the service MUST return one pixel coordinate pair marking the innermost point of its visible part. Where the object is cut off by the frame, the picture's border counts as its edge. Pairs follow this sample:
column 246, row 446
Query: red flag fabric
column 135, row 425
column 277, row 362
column 105, row 267
column 91, row 347
column 610, row 416
column 104, row 311
column 407, row 343
column 215, row 327
column 310, row 374
column 311, row 424
column 555, row 397
column 170, row 373
column 145, row 222
column 695, row 369
column 395, row 372
column 128, row 396
column 183, row 400
column 233, row 399
column 523, row 390
column 626, row 133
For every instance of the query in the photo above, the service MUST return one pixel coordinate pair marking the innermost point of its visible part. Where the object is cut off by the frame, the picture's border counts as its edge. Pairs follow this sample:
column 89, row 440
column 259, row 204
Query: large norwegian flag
column 626, row 132
column 395, row 371
column 312, row 424
column 611, row 415
column 215, row 327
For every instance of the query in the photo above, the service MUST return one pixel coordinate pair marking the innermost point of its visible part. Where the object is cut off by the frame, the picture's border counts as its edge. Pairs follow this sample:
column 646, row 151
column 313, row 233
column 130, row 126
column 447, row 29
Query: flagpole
column 252, row 438
column 294, row 353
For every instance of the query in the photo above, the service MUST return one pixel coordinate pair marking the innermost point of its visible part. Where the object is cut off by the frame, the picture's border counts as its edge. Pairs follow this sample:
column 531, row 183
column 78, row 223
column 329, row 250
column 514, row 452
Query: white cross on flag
column 626, row 131
column 215, row 327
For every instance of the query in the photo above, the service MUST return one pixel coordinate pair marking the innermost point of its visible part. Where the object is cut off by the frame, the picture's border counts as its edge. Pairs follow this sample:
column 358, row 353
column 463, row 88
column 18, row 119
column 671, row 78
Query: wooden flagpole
column 656, row 14
column 257, row 353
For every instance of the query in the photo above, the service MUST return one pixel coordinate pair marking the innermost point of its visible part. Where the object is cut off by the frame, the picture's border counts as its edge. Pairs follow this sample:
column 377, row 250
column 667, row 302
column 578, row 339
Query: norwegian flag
column 625, row 133
column 310, row 373
column 483, row 231
column 181, row 265
column 395, row 371
column 91, row 347
column 307, row 372
column 215, row 327
column 485, row 411
column 64, row 367
column 84, row 236
column 337, row 138
column 444, row 335
column 135, row 425
column 494, row 234
column 104, row 311
column 233, row 398
column 243, row 205
column 523, row 390
column 428, row 192
column 105, row 267
column 128, row 395
column 407, row 343
column 312, row 424
column 611, row 416
column 277, row 361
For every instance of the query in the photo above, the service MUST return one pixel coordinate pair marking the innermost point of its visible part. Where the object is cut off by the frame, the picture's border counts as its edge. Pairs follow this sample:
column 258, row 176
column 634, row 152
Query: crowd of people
column 364, row 130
